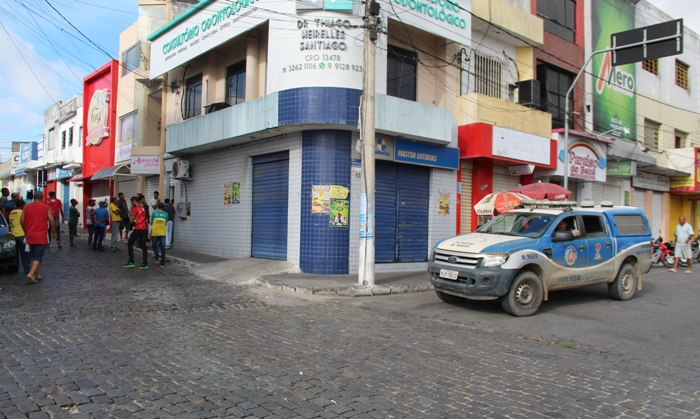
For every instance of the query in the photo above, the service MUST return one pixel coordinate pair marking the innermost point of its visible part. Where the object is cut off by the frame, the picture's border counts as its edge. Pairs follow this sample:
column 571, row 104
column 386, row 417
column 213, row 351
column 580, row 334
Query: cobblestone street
column 95, row 339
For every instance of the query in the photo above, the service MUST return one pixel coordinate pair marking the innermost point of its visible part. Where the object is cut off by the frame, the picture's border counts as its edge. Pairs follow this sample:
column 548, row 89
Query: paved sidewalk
column 284, row 276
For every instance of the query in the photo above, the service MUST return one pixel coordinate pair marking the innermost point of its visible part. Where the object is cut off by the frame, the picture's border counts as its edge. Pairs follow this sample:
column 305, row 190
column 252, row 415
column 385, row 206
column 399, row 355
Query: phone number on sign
column 323, row 66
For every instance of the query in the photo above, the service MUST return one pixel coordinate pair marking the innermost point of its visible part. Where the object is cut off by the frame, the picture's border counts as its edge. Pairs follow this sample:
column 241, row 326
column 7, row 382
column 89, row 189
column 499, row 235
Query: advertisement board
column 614, row 103
column 449, row 19
column 687, row 184
column 622, row 168
column 519, row 145
column 145, row 165
column 651, row 181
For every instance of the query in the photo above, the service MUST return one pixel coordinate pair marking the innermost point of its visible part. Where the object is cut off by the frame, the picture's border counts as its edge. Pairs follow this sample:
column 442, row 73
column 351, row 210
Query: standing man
column 140, row 233
column 115, row 222
column 159, row 220
column 684, row 235
column 12, row 203
column 35, row 220
column 73, row 215
column 4, row 198
column 90, row 220
column 124, row 226
column 155, row 200
column 57, row 211
column 169, row 226
column 17, row 231
column 101, row 215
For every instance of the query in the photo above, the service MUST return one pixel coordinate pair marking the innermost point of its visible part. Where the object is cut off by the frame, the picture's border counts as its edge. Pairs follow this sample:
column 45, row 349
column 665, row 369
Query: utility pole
column 163, row 110
column 367, row 188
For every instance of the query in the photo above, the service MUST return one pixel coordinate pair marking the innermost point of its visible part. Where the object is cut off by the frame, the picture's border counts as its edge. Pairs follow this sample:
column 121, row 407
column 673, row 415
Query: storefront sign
column 687, row 184
column 622, row 168
column 97, row 118
column 318, row 49
column 651, row 181
column 448, row 19
column 517, row 145
column 27, row 153
column 426, row 154
column 145, row 165
column 40, row 150
column 385, row 148
column 122, row 153
column 62, row 174
column 521, row 169
column 614, row 103
column 15, row 160
column 586, row 161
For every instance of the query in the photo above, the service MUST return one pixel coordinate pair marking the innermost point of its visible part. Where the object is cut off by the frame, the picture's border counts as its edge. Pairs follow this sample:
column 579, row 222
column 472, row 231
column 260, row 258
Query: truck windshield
column 518, row 224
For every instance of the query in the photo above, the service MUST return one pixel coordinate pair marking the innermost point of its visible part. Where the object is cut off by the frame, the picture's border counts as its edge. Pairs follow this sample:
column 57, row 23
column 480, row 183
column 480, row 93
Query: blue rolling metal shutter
column 386, row 215
column 270, row 206
column 402, row 212
column 413, row 204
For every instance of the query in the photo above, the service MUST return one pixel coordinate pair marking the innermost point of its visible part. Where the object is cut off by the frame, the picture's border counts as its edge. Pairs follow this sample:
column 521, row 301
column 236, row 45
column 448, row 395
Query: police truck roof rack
column 545, row 203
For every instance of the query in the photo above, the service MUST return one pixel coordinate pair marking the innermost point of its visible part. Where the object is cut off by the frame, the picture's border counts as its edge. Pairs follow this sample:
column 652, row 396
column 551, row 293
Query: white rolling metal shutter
column 127, row 187
column 639, row 199
column 466, row 212
column 151, row 186
column 613, row 193
column 656, row 214
column 597, row 192
column 504, row 182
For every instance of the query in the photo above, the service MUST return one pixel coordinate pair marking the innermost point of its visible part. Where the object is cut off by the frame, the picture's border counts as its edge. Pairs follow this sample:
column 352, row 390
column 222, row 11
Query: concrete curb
column 350, row 291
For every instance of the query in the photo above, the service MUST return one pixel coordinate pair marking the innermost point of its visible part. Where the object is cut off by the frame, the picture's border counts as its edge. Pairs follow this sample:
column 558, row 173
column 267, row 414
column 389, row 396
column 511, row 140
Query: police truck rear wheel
column 625, row 284
column 449, row 298
column 525, row 295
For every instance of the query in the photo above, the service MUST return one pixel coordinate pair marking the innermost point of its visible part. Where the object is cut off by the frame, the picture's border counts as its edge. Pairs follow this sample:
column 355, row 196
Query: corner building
column 262, row 111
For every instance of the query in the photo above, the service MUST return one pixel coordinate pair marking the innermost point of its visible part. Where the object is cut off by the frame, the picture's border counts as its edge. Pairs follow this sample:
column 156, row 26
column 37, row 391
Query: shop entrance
column 402, row 212
column 270, row 205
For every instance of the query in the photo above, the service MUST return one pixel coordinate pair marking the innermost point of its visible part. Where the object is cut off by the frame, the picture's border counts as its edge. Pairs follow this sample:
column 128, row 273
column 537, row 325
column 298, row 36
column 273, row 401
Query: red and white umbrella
column 499, row 202
column 541, row 190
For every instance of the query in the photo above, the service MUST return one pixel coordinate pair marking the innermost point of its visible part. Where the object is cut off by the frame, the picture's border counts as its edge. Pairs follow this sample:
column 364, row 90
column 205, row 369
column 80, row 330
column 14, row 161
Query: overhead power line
column 74, row 27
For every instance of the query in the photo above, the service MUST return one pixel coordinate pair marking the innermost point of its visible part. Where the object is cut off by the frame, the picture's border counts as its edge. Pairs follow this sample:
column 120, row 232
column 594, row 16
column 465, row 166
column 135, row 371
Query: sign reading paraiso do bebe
column 211, row 23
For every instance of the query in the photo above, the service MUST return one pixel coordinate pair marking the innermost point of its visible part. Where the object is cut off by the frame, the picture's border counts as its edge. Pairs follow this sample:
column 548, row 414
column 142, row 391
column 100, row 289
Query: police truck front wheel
column 625, row 284
column 525, row 295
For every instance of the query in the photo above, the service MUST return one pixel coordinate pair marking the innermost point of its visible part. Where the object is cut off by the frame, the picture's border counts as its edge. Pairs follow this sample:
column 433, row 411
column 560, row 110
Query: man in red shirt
column 57, row 212
column 35, row 220
column 139, row 232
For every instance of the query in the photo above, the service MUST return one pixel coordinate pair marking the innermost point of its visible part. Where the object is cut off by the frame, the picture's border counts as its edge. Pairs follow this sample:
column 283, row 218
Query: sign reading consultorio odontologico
column 212, row 23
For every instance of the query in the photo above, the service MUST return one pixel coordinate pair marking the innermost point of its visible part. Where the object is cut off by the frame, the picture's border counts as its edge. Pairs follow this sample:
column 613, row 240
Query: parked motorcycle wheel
column 668, row 261
column 683, row 262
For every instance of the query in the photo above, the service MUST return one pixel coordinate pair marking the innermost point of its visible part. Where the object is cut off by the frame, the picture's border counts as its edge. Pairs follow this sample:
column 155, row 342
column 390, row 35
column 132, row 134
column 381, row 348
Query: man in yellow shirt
column 17, row 231
column 114, row 220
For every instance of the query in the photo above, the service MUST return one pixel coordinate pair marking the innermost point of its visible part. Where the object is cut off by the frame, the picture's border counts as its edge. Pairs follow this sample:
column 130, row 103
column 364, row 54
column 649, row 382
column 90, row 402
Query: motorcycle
column 663, row 253
column 695, row 250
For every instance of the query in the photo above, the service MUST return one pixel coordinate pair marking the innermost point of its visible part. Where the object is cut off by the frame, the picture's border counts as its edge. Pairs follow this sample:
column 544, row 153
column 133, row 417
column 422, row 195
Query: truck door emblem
column 597, row 251
column 571, row 255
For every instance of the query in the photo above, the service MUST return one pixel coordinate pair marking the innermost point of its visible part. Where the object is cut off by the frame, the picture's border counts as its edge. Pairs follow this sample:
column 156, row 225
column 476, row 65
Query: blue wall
column 325, row 161
column 319, row 105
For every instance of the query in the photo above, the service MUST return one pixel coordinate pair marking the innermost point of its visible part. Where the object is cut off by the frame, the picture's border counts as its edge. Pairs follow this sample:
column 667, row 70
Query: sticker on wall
column 339, row 213
column 232, row 193
column 320, row 199
column 338, row 192
column 444, row 203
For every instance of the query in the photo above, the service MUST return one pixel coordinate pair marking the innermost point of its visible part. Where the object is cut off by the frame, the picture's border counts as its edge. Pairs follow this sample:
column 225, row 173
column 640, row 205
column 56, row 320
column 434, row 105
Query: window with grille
column 559, row 17
column 651, row 134
column 52, row 139
column 235, row 84
column 80, row 136
column 70, row 136
column 554, row 83
column 131, row 59
column 401, row 71
column 488, row 76
column 682, row 75
column 680, row 139
column 193, row 97
column 651, row 66
column 63, row 139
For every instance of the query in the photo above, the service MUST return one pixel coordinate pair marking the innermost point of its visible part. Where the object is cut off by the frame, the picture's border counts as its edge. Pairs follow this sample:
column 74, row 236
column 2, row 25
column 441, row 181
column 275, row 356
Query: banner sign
column 687, row 184
column 519, row 145
column 426, row 154
column 651, row 182
column 622, row 168
column 145, row 165
column 614, row 103
column 521, row 169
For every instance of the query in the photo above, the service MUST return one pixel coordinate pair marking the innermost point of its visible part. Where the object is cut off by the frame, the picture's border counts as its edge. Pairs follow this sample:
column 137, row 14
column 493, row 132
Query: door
column 600, row 248
column 270, row 206
column 66, row 198
column 466, row 209
column 402, row 212
column 569, row 257
column 656, row 214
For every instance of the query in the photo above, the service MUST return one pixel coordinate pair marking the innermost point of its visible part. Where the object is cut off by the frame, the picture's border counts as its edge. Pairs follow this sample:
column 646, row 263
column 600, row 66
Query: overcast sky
column 43, row 59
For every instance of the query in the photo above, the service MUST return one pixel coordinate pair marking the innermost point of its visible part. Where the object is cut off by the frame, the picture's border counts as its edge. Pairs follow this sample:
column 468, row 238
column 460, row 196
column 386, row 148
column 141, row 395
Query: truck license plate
column 448, row 274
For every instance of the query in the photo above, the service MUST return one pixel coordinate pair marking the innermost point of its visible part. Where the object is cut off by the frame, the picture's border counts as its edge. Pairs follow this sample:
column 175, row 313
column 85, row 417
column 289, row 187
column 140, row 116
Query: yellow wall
column 525, row 59
column 476, row 107
column 510, row 17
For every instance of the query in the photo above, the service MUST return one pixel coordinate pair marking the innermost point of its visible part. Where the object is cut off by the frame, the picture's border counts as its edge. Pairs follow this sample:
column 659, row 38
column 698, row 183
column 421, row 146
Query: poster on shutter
column 228, row 194
column 444, row 203
column 320, row 199
column 339, row 213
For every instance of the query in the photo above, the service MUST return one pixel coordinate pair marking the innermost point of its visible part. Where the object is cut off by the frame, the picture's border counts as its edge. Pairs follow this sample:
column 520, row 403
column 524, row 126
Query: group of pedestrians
column 132, row 225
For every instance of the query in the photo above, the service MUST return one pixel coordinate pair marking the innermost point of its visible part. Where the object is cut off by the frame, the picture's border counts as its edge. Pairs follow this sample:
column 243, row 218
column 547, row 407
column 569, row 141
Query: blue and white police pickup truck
column 522, row 255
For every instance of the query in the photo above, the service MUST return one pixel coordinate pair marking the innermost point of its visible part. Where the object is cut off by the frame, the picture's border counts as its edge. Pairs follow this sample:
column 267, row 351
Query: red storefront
column 99, row 130
column 492, row 159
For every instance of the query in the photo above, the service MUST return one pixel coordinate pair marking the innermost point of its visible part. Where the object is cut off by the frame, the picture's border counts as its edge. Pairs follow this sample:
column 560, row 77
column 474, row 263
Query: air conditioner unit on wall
column 181, row 170
column 529, row 93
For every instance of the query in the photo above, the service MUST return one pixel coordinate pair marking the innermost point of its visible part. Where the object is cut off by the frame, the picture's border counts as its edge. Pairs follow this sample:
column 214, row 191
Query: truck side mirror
column 562, row 236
